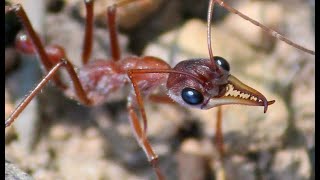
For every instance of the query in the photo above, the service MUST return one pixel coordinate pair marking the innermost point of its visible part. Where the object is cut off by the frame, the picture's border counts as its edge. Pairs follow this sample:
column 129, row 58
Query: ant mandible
column 201, row 83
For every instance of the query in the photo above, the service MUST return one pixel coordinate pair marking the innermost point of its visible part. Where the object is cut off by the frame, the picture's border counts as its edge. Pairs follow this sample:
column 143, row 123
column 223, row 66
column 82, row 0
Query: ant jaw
column 238, row 93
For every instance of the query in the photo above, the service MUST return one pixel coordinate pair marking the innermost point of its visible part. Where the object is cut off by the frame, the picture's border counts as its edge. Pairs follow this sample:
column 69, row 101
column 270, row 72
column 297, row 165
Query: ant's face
column 206, row 88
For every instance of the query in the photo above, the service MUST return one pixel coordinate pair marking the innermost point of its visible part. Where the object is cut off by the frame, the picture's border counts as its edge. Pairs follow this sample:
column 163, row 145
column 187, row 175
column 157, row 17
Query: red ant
column 201, row 83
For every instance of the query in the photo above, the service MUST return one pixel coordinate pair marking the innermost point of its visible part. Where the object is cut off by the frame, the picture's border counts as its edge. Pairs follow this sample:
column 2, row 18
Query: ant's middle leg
column 113, row 34
column 82, row 96
column 88, row 35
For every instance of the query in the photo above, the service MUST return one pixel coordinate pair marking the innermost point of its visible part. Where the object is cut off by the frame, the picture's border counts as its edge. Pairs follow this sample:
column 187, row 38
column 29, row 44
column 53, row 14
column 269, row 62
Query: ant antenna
column 210, row 9
column 266, row 29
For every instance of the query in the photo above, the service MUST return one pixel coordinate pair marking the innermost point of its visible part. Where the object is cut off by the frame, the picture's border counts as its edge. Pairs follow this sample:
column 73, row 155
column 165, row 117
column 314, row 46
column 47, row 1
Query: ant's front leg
column 134, row 100
column 141, row 138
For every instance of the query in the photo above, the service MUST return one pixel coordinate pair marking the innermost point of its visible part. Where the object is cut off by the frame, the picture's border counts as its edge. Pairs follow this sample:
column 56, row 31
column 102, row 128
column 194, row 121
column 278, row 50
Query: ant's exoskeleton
column 201, row 83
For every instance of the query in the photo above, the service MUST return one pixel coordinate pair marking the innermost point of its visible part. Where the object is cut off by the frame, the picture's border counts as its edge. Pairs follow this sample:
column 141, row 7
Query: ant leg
column 140, row 133
column 143, row 141
column 139, row 99
column 88, row 38
column 51, row 74
column 115, row 50
column 113, row 35
column 87, row 42
column 266, row 29
column 21, row 14
column 218, row 142
column 219, row 136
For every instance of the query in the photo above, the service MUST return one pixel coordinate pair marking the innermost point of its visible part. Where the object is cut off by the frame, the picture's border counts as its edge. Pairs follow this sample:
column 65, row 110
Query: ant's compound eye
column 191, row 96
column 222, row 62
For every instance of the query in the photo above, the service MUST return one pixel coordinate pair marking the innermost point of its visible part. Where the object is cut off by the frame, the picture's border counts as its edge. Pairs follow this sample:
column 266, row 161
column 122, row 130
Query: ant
column 201, row 83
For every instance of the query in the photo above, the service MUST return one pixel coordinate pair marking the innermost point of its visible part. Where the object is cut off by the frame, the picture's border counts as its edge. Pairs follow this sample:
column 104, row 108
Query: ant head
column 201, row 85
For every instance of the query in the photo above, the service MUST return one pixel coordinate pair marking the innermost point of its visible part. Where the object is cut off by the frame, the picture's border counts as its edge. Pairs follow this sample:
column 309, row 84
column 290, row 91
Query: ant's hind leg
column 143, row 141
column 51, row 74
column 38, row 46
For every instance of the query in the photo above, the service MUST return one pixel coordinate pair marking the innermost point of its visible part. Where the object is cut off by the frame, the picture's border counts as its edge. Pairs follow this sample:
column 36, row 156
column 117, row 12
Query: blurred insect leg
column 218, row 141
column 219, row 136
